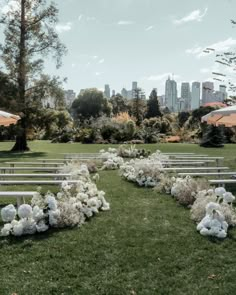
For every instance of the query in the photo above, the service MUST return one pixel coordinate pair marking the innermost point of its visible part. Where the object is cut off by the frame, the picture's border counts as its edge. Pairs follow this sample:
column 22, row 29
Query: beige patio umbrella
column 225, row 116
column 7, row 119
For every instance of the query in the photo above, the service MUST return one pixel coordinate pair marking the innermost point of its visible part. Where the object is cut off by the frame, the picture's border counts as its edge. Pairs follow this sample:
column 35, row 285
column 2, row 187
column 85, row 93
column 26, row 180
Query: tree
column 29, row 34
column 138, row 105
column 153, row 106
column 90, row 103
column 213, row 137
column 119, row 104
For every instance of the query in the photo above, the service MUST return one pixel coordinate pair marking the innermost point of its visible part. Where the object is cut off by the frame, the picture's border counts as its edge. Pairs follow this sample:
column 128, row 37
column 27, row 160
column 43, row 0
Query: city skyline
column 111, row 42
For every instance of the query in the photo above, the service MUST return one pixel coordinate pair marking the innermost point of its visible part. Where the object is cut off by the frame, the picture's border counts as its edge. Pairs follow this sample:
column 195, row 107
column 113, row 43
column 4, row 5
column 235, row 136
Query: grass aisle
column 146, row 244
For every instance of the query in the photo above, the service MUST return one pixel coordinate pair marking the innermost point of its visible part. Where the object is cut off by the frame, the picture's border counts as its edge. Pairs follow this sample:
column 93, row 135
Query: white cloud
column 94, row 57
column 149, row 28
column 98, row 73
column 125, row 22
column 101, row 61
column 64, row 27
column 194, row 16
column 221, row 46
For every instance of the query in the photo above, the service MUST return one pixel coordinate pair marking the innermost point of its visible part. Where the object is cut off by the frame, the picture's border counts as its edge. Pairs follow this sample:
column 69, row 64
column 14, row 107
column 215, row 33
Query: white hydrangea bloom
column 29, row 225
column 6, row 230
column 41, row 226
column 17, row 229
column 52, row 203
column 213, row 224
column 38, row 213
column 25, row 211
column 8, row 213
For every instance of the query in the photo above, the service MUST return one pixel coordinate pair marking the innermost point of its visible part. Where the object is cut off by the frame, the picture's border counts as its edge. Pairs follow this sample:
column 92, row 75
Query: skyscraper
column 107, row 91
column 186, row 95
column 195, row 101
column 207, row 92
column 223, row 91
column 124, row 93
column 134, row 87
column 171, row 95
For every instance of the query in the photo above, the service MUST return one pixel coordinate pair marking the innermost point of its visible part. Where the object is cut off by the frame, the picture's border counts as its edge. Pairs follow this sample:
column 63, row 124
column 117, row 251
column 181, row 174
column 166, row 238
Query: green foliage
column 90, row 103
column 213, row 137
column 130, row 129
column 138, row 106
column 202, row 111
column 87, row 135
column 119, row 104
column 183, row 117
column 153, row 106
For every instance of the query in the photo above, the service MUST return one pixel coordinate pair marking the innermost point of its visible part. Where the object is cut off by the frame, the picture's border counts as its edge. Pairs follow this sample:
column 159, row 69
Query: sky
column 116, row 42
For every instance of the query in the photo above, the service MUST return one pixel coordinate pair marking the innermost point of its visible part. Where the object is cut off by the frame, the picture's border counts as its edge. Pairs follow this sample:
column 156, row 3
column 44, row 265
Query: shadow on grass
column 28, row 241
column 9, row 154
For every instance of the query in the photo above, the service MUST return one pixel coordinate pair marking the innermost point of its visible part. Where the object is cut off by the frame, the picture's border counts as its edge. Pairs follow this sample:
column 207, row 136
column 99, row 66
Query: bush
column 213, row 137
column 87, row 135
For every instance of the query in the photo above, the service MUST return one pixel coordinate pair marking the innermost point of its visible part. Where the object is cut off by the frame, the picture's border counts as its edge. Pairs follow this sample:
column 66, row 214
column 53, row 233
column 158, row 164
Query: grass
column 146, row 244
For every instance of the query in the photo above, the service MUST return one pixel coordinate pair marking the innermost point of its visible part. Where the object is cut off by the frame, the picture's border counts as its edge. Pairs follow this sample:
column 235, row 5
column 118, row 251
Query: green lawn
column 146, row 244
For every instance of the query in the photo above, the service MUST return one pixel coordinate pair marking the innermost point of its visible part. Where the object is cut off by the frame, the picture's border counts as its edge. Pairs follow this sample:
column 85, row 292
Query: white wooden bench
column 38, row 182
column 84, row 156
column 182, row 163
column 53, row 160
column 208, row 173
column 13, row 164
column 13, row 169
column 18, row 195
column 176, row 169
column 36, row 175
column 222, row 182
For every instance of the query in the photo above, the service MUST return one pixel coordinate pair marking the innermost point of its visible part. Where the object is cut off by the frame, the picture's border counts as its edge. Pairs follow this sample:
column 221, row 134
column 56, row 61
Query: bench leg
column 20, row 200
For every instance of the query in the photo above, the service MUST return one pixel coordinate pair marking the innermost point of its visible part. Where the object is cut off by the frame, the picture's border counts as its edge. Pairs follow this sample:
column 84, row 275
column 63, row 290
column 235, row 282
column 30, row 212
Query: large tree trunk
column 21, row 141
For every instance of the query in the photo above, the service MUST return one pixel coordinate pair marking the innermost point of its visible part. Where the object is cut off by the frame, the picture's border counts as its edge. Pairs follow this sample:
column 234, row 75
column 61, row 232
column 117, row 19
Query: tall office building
column 223, row 91
column 171, row 95
column 186, row 95
column 195, row 97
column 134, row 87
column 207, row 92
column 124, row 93
column 107, row 91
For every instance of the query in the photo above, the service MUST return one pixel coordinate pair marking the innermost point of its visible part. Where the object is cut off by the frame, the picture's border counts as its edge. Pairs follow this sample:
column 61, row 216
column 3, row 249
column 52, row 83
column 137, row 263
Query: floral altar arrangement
column 70, row 207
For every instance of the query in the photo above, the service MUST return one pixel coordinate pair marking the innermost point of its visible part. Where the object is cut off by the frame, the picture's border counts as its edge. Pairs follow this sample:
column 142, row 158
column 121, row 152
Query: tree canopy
column 90, row 103
column 30, row 36
column 153, row 106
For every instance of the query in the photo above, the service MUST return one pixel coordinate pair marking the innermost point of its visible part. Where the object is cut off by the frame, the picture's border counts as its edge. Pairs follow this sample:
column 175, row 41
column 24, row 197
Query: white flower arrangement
column 186, row 189
column 213, row 224
column 72, row 205
column 221, row 197
column 145, row 172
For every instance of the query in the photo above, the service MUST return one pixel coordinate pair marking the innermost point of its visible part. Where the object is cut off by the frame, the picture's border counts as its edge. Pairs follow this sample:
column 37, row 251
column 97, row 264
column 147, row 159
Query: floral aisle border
column 212, row 209
column 70, row 207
